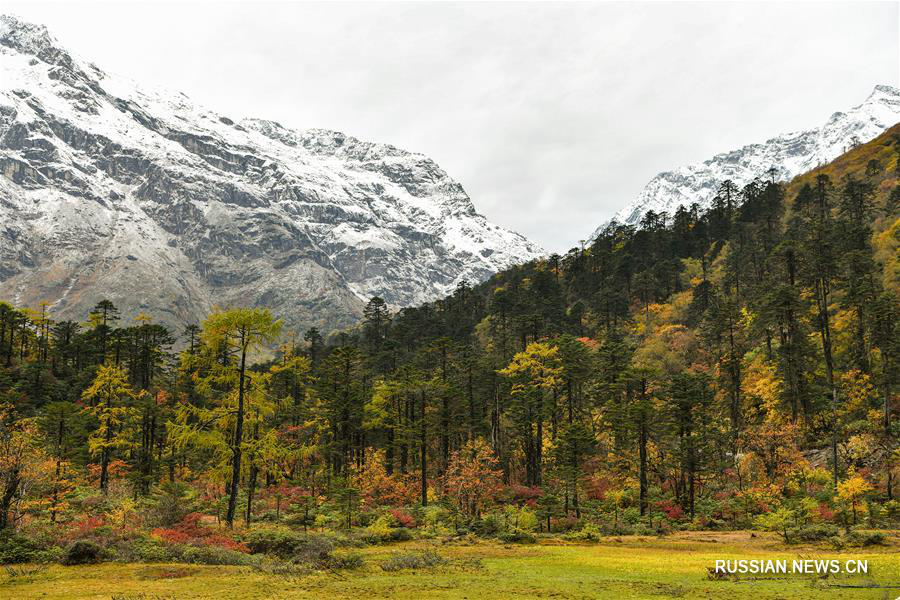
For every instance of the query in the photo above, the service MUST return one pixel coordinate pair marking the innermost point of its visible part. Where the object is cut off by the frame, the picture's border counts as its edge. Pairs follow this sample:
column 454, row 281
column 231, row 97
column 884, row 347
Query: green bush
column 892, row 509
column 489, row 524
column 147, row 551
column 517, row 536
column 589, row 533
column 527, row 519
column 621, row 529
column 323, row 520
column 520, row 518
column 631, row 515
column 433, row 516
column 83, row 552
column 300, row 519
column 644, row 529
column 340, row 539
column 865, row 538
column 382, row 530
column 288, row 544
column 18, row 549
column 172, row 501
column 282, row 568
column 347, row 560
column 413, row 560
column 402, row 534
column 780, row 521
column 213, row 555
column 49, row 555
column 813, row 533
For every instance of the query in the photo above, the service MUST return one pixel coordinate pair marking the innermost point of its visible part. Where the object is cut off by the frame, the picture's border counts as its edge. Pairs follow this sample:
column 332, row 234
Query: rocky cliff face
column 791, row 154
column 162, row 206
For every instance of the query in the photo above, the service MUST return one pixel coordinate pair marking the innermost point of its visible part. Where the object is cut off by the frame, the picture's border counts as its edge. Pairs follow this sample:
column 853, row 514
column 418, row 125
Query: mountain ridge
column 107, row 184
column 791, row 154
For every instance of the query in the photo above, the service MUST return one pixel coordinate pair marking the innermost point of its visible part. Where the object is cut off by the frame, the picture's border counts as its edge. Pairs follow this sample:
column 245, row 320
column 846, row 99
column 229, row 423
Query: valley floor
column 620, row 568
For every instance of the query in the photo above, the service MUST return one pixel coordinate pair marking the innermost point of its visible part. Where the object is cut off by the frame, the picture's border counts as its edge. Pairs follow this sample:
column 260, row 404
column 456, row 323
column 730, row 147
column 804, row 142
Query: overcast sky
column 552, row 116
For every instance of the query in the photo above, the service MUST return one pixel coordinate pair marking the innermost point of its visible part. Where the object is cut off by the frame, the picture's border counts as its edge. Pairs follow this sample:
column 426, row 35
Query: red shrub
column 377, row 488
column 173, row 536
column 225, row 542
column 825, row 512
column 592, row 344
column 83, row 528
column 520, row 494
column 673, row 511
column 190, row 531
column 403, row 518
column 597, row 486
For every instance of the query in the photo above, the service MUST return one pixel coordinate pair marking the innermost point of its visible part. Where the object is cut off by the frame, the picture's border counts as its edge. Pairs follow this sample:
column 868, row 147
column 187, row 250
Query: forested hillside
column 720, row 370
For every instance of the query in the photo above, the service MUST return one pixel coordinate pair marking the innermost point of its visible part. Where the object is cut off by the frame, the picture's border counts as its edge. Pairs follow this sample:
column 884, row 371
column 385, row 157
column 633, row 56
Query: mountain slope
column 169, row 208
column 790, row 154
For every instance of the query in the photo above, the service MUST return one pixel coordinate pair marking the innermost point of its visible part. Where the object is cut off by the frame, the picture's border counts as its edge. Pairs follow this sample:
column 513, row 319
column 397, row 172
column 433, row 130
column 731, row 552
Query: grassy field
column 672, row 567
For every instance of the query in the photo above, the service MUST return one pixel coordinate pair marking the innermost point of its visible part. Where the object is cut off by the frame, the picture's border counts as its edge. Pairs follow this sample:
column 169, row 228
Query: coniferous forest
column 721, row 370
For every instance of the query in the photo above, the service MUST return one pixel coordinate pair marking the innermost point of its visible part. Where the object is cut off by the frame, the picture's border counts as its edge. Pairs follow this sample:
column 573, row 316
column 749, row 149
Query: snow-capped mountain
column 791, row 154
column 163, row 206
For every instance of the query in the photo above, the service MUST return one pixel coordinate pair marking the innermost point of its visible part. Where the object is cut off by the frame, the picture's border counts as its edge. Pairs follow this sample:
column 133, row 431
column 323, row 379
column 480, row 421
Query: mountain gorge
column 143, row 197
column 787, row 156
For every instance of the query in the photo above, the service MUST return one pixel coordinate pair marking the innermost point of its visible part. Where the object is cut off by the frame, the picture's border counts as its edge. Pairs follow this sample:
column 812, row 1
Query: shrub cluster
column 83, row 552
column 413, row 560
column 17, row 549
column 589, row 533
column 812, row 533
column 517, row 536
column 383, row 529
column 286, row 543
column 190, row 531
column 865, row 538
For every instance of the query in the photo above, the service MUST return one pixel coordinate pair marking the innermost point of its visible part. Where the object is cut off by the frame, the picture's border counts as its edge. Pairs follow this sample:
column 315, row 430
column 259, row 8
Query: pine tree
column 229, row 338
column 110, row 397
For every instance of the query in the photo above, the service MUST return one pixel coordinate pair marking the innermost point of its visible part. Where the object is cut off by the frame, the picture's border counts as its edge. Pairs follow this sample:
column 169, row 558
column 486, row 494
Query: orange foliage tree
column 473, row 477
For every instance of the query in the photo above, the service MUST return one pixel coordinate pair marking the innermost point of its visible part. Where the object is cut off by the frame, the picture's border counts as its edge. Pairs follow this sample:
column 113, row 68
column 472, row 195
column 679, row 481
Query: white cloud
column 551, row 115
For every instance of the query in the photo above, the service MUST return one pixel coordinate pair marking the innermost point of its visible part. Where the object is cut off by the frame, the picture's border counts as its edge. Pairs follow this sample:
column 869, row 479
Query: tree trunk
column 643, row 462
column 692, row 467
column 825, row 332
column 735, row 370
column 405, row 418
column 423, row 453
column 642, row 443
column 251, row 487
column 238, row 438
column 9, row 493
column 445, row 431
column 574, row 485
column 104, row 457
column 886, row 368
column 538, row 450
column 389, row 452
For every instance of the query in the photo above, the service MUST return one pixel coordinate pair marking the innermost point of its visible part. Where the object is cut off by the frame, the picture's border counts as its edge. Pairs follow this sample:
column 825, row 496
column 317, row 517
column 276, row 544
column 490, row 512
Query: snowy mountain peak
column 36, row 41
column 25, row 37
column 108, row 189
column 791, row 154
column 884, row 92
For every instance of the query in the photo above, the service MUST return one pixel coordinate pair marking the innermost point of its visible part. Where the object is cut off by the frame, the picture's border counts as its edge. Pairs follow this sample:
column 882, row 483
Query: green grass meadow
column 617, row 568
